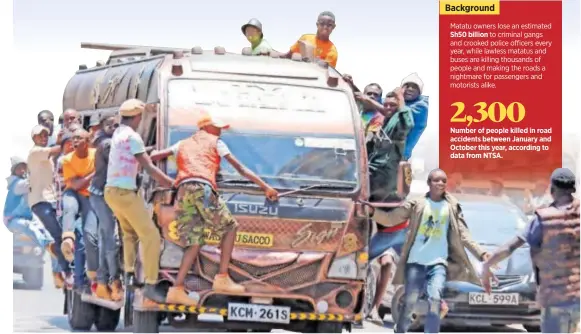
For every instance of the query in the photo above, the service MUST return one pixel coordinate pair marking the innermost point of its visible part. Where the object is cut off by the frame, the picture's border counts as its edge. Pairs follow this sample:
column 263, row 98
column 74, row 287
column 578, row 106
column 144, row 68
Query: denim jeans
column 46, row 212
column 80, row 257
column 420, row 279
column 73, row 205
column 560, row 319
column 108, row 250
column 54, row 265
column 383, row 241
column 32, row 229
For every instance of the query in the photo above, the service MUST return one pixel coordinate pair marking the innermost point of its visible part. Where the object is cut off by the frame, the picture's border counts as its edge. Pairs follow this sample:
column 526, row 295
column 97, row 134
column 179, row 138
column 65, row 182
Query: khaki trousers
column 136, row 224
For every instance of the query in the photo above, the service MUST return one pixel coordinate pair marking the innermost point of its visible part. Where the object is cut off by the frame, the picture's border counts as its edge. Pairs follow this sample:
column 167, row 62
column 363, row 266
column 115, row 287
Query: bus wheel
column 145, row 322
column 107, row 320
column 81, row 315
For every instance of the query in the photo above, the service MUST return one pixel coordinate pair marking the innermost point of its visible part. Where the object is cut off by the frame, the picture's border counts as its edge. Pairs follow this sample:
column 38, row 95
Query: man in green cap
column 253, row 32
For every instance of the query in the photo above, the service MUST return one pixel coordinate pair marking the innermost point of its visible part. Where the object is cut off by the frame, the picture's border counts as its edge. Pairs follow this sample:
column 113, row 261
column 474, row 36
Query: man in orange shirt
column 324, row 49
column 78, row 170
column 199, row 206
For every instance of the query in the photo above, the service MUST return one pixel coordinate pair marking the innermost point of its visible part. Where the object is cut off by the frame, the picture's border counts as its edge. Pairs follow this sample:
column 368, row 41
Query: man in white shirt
column 42, row 196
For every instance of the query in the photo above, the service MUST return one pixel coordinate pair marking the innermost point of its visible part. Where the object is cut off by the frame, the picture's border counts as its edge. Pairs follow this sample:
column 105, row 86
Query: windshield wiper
column 327, row 186
column 236, row 181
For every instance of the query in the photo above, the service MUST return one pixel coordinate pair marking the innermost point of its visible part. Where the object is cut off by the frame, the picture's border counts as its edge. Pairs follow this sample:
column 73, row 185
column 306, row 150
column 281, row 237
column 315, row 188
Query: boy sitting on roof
column 324, row 49
column 253, row 32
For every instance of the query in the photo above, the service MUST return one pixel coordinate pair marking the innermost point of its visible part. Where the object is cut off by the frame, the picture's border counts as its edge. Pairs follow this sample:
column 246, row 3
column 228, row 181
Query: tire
column 396, row 306
column 532, row 328
column 329, row 327
column 81, row 315
column 370, row 288
column 145, row 322
column 33, row 277
column 107, row 320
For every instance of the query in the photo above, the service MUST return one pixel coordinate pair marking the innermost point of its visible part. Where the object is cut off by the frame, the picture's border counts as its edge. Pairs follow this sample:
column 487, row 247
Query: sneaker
column 150, row 291
column 59, row 280
column 178, row 295
column 102, row 291
column 117, row 292
column 224, row 283
column 68, row 249
column 374, row 317
column 92, row 276
column 443, row 309
column 69, row 281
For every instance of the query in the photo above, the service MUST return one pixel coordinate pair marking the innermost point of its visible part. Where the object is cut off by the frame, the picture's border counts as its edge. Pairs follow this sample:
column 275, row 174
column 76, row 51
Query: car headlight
column 344, row 267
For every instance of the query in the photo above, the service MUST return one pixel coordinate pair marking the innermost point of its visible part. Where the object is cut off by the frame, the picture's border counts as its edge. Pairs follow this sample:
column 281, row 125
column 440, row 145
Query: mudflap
column 66, row 302
column 128, row 307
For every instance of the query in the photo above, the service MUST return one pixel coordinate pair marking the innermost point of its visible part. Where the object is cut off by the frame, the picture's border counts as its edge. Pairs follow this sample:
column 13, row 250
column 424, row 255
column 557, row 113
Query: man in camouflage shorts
column 199, row 206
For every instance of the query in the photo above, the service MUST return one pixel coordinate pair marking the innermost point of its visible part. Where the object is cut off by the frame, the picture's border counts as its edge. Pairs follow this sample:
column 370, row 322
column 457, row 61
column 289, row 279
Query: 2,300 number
column 496, row 112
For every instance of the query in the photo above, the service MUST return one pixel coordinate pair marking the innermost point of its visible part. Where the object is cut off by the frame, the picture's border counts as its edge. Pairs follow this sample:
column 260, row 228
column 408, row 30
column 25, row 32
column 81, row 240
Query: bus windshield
column 283, row 152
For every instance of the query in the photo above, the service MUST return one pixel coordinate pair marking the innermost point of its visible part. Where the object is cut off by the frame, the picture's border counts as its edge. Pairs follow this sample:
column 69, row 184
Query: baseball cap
column 38, row 129
column 131, row 107
column 207, row 120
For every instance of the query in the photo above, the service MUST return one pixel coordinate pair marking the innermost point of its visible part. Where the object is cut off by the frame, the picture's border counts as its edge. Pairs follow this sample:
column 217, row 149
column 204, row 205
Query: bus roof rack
column 126, row 47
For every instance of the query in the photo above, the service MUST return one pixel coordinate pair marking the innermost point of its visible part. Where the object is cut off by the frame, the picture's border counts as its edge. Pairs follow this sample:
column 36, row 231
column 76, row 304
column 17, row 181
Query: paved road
column 42, row 311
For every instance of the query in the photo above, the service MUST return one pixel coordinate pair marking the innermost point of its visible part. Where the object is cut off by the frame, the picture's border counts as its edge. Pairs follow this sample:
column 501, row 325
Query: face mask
column 253, row 39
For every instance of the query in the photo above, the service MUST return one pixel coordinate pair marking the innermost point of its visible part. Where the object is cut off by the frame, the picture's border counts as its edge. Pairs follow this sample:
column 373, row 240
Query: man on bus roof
column 322, row 46
column 253, row 32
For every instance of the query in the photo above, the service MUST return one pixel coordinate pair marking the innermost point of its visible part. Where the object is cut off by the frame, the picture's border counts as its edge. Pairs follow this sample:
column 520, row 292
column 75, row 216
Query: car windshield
column 493, row 223
column 286, row 156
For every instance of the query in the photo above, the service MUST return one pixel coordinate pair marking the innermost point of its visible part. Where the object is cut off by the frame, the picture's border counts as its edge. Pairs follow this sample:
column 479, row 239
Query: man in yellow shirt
column 79, row 242
column 324, row 49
